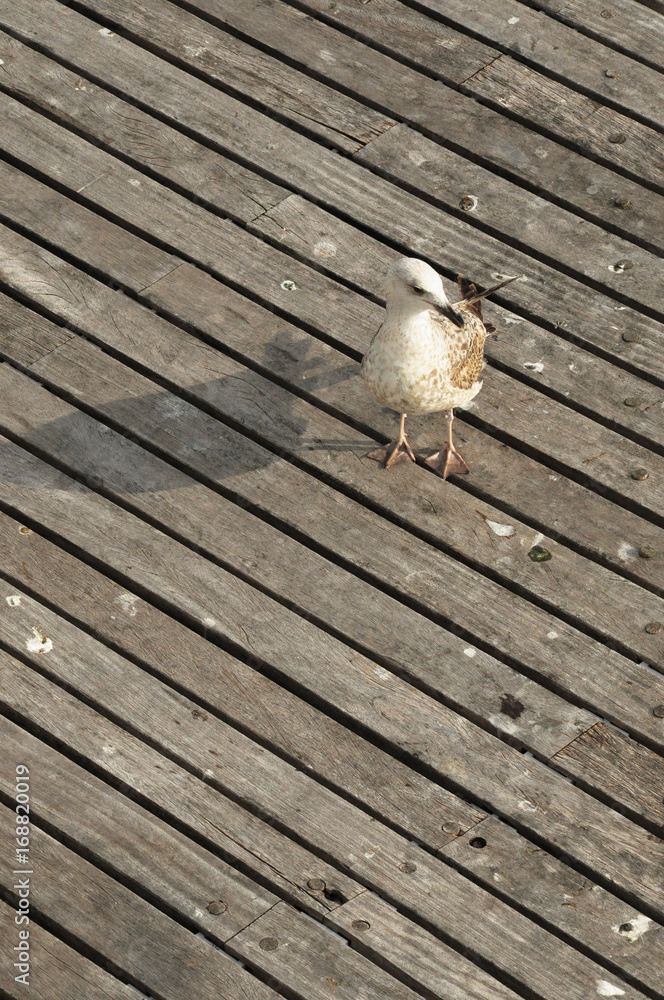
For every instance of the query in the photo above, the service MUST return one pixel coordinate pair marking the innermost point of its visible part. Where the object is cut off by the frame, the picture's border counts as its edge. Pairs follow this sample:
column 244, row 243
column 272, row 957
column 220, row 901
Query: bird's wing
column 465, row 346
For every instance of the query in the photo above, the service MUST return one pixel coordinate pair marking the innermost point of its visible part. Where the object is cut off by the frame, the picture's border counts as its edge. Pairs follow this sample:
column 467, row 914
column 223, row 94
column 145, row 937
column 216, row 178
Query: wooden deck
column 295, row 726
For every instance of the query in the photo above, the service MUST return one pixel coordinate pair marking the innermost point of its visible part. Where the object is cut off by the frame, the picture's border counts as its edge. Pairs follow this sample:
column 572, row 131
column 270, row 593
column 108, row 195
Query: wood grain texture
column 151, row 948
column 350, row 620
column 457, row 120
column 602, row 748
column 305, row 959
column 312, row 106
column 536, row 798
column 394, row 941
column 438, row 49
column 408, row 33
column 182, row 798
column 133, row 845
column 311, row 169
column 571, row 117
column 252, row 702
column 561, row 52
column 400, row 871
column 626, row 25
column 126, row 130
column 498, row 857
column 188, row 364
column 58, row 972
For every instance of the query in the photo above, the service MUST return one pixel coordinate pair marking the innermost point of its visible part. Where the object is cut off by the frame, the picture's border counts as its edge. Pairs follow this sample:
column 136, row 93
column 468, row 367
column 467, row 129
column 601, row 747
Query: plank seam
column 349, row 567
column 583, row 29
column 545, row 71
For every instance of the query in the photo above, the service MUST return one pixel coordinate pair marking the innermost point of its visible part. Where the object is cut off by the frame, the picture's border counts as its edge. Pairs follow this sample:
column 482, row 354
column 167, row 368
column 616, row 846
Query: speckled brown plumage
column 465, row 370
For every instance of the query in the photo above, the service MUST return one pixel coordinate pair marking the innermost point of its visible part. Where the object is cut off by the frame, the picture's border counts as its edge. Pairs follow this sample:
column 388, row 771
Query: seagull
column 427, row 356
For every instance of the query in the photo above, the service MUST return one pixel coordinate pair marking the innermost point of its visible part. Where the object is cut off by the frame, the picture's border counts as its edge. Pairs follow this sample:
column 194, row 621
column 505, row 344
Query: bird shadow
column 226, row 428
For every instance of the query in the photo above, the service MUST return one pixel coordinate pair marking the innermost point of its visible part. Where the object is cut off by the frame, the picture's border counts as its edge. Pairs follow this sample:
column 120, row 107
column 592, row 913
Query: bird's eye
column 418, row 289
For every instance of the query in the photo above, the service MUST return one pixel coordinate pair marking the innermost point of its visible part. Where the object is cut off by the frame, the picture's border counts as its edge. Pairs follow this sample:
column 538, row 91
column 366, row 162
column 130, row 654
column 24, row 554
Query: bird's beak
column 445, row 309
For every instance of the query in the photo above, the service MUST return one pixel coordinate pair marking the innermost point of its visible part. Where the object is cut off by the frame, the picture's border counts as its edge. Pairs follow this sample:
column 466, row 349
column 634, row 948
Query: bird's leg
column 448, row 461
column 397, row 451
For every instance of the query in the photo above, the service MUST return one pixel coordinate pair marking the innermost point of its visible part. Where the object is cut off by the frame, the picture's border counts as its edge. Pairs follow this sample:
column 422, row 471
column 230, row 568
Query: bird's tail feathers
column 489, row 291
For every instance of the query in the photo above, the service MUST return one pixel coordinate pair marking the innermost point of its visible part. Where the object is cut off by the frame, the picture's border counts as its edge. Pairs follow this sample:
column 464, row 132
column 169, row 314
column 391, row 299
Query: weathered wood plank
column 403, row 873
column 189, row 801
column 591, row 452
column 330, row 116
column 541, row 884
column 504, row 209
column 401, row 946
column 591, row 128
column 305, row 959
column 189, row 364
column 254, row 703
column 134, row 845
column 602, row 448
column 414, row 98
column 602, row 749
column 84, row 106
column 625, row 25
column 226, row 522
column 536, row 798
column 561, row 52
column 57, row 971
column 155, row 951
column 408, row 33
column 312, row 169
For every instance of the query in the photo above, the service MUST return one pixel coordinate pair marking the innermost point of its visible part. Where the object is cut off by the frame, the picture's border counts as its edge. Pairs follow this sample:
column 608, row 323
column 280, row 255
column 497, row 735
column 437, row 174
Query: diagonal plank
column 325, row 176
column 412, row 567
column 561, row 52
column 154, row 859
column 60, row 973
column 163, row 958
column 504, row 862
column 490, row 932
column 538, row 800
column 179, row 796
column 253, row 702
column 627, row 25
column 404, row 33
column 516, row 481
column 458, row 121
column 641, row 283
column 137, row 479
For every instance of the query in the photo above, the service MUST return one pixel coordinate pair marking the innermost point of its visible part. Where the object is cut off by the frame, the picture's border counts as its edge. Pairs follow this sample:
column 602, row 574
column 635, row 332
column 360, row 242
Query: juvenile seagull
column 427, row 356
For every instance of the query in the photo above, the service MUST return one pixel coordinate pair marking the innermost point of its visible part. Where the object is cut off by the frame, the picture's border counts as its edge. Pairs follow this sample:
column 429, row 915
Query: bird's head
column 414, row 286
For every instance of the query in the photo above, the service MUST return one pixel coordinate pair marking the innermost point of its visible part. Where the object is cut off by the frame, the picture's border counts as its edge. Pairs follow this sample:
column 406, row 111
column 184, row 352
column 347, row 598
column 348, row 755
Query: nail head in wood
column 640, row 475
column 216, row 906
column 268, row 944
column 631, row 338
column 316, row 884
column 618, row 138
column 633, row 401
column 450, row 828
column 654, row 628
column 647, row 552
column 658, row 711
column 360, row 925
column 408, row 867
